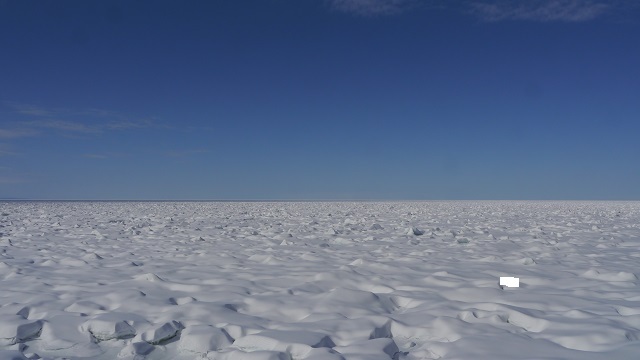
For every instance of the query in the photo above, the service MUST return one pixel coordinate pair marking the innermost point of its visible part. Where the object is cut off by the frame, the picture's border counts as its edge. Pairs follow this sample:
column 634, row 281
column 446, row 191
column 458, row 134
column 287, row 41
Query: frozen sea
column 319, row 280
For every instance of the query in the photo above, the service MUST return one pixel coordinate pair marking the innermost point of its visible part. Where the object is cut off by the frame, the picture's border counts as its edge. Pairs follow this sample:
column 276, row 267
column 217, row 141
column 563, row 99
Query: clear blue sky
column 320, row 99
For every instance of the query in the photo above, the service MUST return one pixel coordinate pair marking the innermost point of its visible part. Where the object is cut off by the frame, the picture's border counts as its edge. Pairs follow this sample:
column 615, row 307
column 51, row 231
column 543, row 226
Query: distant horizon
column 311, row 200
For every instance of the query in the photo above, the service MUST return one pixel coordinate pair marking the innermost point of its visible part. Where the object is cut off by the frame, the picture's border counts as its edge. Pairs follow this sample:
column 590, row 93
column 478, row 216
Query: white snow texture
column 319, row 280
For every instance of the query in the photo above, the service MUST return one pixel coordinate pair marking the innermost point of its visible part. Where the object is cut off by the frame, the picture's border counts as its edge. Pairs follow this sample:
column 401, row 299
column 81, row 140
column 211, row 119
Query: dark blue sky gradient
column 278, row 99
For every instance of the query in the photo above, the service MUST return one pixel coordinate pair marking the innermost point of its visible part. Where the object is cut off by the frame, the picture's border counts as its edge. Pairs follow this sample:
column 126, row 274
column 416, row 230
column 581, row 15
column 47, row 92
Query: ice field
column 319, row 280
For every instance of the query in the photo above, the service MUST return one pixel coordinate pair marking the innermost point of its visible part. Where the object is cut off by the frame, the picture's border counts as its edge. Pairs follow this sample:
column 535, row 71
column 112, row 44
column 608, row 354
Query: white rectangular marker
column 509, row 281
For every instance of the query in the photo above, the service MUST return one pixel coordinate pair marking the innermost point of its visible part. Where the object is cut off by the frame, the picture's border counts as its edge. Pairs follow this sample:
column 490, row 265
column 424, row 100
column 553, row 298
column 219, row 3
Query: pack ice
column 319, row 280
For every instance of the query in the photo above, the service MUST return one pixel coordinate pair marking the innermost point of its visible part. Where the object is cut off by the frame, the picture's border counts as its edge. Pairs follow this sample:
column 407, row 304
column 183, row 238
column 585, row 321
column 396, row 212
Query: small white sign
column 509, row 281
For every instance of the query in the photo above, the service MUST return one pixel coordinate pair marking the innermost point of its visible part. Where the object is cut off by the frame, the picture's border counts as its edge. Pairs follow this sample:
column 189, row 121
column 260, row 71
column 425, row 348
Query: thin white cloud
column 6, row 153
column 496, row 10
column 29, row 110
column 10, row 133
column 104, row 155
column 11, row 176
column 8, row 179
column 128, row 124
column 32, row 120
column 6, row 150
column 95, row 156
column 69, row 126
column 39, row 111
column 371, row 7
column 182, row 153
column 541, row 10
column 8, row 176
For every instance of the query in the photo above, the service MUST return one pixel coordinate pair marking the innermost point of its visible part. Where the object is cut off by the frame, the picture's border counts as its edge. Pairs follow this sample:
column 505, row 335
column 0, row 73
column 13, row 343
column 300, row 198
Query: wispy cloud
column 6, row 153
column 62, row 125
column 39, row 111
column 10, row 180
column 8, row 176
column 95, row 156
column 128, row 124
column 25, row 109
column 371, row 7
column 493, row 11
column 105, row 155
column 11, row 133
column 6, row 150
column 542, row 10
column 182, row 153
column 33, row 121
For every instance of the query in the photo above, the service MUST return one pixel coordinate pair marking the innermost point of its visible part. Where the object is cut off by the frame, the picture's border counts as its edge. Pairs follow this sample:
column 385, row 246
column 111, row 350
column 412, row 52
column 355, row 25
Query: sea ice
column 320, row 281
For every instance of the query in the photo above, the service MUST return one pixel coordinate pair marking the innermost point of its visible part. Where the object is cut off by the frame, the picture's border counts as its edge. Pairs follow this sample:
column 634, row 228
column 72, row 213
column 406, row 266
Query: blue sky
column 320, row 99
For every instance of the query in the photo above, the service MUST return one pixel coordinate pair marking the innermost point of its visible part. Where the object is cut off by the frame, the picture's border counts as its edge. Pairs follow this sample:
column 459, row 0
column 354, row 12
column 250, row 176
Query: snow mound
column 609, row 275
column 365, row 300
column 252, row 355
column 526, row 261
column 203, row 338
column 149, row 277
column 109, row 326
column 136, row 351
column 375, row 349
column 92, row 256
column 61, row 335
column 162, row 333
column 295, row 343
column 85, row 307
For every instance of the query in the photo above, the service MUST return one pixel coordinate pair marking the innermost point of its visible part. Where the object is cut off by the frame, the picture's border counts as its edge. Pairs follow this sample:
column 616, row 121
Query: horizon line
column 293, row 200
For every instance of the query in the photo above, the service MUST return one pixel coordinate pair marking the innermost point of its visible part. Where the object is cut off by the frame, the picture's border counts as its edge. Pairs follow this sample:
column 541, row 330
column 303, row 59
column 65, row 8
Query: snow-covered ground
column 320, row 281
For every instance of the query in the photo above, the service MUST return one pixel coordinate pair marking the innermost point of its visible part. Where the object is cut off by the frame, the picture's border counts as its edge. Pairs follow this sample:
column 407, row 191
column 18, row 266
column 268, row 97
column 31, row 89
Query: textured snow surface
column 319, row 281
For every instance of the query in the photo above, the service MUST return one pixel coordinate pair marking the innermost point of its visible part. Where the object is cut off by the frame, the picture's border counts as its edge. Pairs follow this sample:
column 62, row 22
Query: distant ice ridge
column 319, row 281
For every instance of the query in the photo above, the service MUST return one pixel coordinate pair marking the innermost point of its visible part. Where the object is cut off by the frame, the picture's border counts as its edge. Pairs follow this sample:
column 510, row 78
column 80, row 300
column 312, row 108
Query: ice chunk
column 17, row 329
column 12, row 355
column 162, row 333
column 376, row 227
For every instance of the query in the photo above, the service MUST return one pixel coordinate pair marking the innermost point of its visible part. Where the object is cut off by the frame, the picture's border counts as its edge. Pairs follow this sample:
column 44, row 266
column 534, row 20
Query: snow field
column 319, row 281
